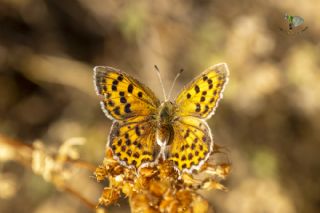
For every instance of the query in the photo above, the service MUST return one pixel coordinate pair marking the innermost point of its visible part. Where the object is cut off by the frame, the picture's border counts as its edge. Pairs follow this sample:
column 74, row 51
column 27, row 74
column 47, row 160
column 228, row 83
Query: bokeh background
column 269, row 118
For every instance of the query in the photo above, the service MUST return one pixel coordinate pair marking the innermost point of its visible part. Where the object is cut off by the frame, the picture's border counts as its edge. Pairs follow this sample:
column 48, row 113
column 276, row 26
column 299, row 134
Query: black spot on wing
column 120, row 77
column 206, row 109
column 130, row 88
column 116, row 110
column 119, row 142
column 110, row 103
column 197, row 88
column 187, row 134
column 215, row 92
column 198, row 107
column 115, row 82
column 137, row 130
column 128, row 142
column 123, row 100
column 139, row 145
column 136, row 155
column 201, row 147
column 127, row 108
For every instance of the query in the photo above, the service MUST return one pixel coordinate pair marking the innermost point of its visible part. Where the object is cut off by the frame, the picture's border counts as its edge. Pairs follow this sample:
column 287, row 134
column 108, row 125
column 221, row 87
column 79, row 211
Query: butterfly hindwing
column 123, row 96
column 133, row 143
column 200, row 97
column 191, row 145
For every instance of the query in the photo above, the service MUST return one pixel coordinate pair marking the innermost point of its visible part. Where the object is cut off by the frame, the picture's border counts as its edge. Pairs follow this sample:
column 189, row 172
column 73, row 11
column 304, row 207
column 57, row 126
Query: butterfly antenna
column 174, row 82
column 160, row 79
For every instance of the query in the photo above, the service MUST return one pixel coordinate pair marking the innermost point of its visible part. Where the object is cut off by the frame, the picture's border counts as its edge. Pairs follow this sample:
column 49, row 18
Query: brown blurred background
column 268, row 119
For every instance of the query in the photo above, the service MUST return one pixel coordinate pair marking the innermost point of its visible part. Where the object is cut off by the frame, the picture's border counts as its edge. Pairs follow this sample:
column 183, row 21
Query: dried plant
column 57, row 167
column 160, row 188
column 151, row 189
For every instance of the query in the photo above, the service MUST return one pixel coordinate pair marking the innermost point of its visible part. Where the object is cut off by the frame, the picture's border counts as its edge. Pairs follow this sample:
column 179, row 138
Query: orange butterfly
column 144, row 129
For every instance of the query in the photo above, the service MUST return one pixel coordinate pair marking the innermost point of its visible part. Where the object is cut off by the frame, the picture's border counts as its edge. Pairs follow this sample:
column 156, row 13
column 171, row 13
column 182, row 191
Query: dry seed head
column 159, row 188
column 52, row 165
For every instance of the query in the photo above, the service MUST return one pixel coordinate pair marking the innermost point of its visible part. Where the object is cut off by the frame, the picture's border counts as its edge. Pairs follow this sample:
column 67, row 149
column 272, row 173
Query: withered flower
column 160, row 188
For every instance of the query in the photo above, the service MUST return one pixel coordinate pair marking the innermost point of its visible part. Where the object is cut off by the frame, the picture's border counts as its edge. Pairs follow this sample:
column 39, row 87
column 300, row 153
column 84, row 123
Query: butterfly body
column 166, row 113
column 145, row 130
column 165, row 120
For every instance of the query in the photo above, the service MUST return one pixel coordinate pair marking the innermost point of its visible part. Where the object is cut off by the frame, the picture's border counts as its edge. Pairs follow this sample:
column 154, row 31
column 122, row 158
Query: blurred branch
column 11, row 149
column 83, row 164
column 50, row 168
column 59, row 70
column 76, row 194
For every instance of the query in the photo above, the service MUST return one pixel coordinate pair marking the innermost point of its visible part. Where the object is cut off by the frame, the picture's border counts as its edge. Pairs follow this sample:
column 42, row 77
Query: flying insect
column 293, row 23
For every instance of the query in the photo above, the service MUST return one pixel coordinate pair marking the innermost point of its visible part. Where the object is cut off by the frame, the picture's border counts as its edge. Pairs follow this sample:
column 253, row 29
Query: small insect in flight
column 293, row 23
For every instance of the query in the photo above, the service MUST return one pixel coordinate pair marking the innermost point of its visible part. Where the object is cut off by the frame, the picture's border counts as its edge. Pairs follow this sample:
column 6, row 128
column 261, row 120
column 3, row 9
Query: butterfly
column 145, row 129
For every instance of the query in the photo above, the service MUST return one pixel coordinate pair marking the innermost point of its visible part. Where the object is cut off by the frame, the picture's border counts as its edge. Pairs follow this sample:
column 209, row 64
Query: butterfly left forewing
column 123, row 97
column 200, row 98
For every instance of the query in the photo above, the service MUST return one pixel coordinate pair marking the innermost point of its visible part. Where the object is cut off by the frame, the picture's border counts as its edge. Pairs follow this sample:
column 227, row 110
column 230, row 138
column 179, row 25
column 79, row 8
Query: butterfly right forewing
column 201, row 97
